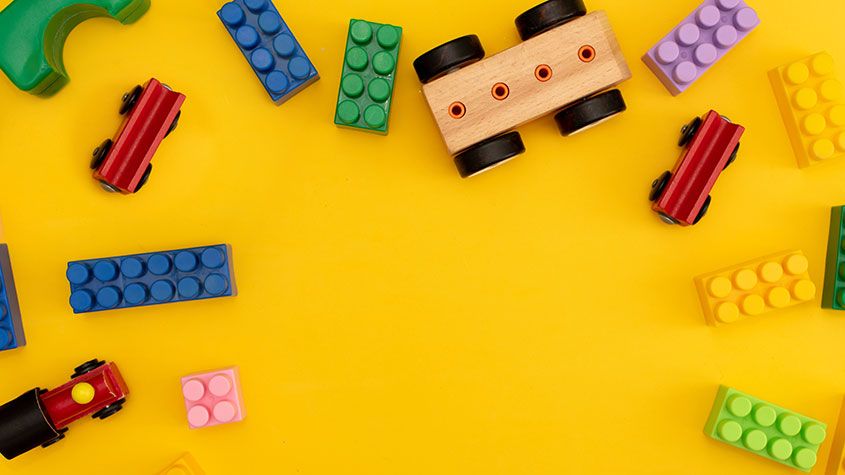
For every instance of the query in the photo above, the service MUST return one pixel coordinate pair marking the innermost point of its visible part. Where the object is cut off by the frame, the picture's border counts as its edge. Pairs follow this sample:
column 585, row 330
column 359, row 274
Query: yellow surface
column 393, row 318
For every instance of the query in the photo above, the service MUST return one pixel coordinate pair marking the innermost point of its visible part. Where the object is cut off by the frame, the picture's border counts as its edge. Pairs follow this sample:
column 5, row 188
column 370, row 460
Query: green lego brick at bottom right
column 833, row 295
column 765, row 429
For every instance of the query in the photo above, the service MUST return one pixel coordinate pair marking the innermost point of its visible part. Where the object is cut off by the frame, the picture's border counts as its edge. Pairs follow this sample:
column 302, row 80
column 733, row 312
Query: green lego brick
column 833, row 295
column 369, row 70
column 33, row 34
column 765, row 429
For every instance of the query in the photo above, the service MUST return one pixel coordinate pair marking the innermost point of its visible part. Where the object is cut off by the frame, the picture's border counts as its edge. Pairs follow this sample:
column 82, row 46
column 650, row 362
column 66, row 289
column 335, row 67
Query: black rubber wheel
column 733, row 157
column 60, row 437
column 489, row 153
column 144, row 178
column 109, row 187
column 448, row 57
column 548, row 15
column 589, row 112
column 109, row 410
column 100, row 154
column 86, row 367
column 704, row 208
column 688, row 132
column 174, row 123
column 129, row 100
column 658, row 185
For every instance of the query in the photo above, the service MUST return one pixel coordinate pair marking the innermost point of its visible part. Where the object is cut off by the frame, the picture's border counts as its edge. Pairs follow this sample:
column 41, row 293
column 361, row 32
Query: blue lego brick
column 11, row 325
column 269, row 47
column 137, row 280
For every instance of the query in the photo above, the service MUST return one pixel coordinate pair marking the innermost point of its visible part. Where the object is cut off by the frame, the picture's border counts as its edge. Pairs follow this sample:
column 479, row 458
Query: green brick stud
column 833, row 295
column 369, row 69
column 767, row 430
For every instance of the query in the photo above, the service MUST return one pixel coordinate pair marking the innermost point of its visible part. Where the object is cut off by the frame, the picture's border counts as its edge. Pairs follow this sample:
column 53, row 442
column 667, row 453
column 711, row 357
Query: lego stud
column 668, row 52
column 708, row 17
column 457, row 110
column 82, row 393
column 746, row 19
column 587, row 53
column 780, row 449
column 688, row 34
column 543, row 72
column 500, row 91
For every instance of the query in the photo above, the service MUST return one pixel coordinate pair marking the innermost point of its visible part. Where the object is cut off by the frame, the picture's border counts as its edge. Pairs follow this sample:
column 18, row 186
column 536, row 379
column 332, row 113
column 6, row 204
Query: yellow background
column 393, row 318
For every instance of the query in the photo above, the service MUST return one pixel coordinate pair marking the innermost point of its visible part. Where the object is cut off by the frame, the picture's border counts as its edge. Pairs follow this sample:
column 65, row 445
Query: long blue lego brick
column 11, row 324
column 137, row 280
column 269, row 47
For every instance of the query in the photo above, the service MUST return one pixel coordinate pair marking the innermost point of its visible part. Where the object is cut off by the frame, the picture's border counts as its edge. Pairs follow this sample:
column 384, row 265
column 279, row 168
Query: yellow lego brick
column 755, row 287
column 836, row 461
column 184, row 465
column 810, row 99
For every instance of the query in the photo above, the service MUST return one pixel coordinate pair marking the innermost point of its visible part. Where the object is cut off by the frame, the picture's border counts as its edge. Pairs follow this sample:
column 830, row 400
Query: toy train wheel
column 548, row 15
column 658, row 185
column 448, row 57
column 488, row 154
column 590, row 112
column 129, row 100
column 704, row 208
column 174, row 123
column 145, row 178
column 86, row 367
column 109, row 410
column 733, row 157
column 109, row 187
column 688, row 131
column 58, row 438
column 100, row 154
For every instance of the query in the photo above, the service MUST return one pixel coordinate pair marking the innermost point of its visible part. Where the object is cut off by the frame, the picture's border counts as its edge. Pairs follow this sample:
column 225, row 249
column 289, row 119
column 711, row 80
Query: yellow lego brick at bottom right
column 836, row 462
column 184, row 465
column 755, row 287
column 810, row 99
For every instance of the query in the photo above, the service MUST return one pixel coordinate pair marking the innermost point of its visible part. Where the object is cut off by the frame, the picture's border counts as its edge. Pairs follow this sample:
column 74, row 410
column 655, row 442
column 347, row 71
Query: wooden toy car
column 567, row 58
column 711, row 144
column 40, row 417
column 123, row 165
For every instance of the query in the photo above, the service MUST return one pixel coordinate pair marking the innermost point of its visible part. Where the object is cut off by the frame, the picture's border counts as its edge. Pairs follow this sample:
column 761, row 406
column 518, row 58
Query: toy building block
column 836, row 461
column 833, row 293
column 33, row 34
column 567, row 62
column 152, row 112
column 213, row 398
column 755, row 287
column 711, row 144
column 41, row 417
column 11, row 325
column 811, row 102
column 269, row 47
column 767, row 430
column 184, row 465
column 699, row 41
column 369, row 70
column 137, row 280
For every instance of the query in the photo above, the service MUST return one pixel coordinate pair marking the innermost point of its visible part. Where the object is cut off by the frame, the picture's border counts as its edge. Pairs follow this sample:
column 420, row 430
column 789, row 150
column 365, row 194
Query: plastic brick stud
column 11, row 324
column 213, row 398
column 811, row 103
column 148, row 279
column 833, row 295
column 184, row 465
column 765, row 429
column 33, row 34
column 755, row 287
column 369, row 70
column 699, row 41
column 269, row 47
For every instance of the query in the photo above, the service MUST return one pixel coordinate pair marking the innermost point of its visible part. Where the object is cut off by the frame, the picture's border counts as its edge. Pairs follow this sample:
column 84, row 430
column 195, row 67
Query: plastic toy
column 710, row 145
column 567, row 58
column 833, row 293
column 152, row 112
column 811, row 102
column 836, row 461
column 11, row 324
column 369, row 69
column 699, row 41
column 137, row 280
column 213, row 398
column 41, row 417
column 269, row 47
column 755, row 287
column 767, row 430
column 33, row 34
column 184, row 465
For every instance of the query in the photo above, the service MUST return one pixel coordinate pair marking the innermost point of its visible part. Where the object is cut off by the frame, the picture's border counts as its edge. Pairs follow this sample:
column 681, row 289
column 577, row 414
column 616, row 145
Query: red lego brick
column 85, row 394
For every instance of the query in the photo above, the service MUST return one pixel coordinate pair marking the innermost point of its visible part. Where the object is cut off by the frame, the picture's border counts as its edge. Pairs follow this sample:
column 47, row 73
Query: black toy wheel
column 86, row 367
column 100, row 154
column 547, row 15
column 109, row 410
column 129, row 100
column 144, row 178
column 589, row 112
column 174, row 123
column 448, row 57
column 688, row 131
column 58, row 438
column 704, row 208
column 488, row 154
column 658, row 185
column 109, row 187
column 733, row 157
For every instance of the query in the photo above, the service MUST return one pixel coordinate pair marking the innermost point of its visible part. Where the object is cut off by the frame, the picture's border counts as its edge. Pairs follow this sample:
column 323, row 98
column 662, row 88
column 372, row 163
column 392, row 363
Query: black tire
column 448, row 57
column 86, row 367
column 100, row 154
column 732, row 158
column 589, row 112
column 688, row 131
column 548, row 15
column 144, row 178
column 109, row 187
column 129, row 100
column 174, row 123
column 489, row 153
column 51, row 442
column 109, row 410
column 704, row 208
column 658, row 185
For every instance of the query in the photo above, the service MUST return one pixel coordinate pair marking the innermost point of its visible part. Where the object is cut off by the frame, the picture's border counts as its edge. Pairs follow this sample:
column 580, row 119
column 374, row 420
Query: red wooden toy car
column 40, row 417
column 123, row 165
column 682, row 196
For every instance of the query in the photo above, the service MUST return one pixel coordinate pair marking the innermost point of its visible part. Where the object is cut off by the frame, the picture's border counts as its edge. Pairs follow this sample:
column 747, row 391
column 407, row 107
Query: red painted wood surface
column 109, row 388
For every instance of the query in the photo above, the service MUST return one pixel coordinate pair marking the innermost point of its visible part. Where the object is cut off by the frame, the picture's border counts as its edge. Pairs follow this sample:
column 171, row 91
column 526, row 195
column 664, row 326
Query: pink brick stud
column 213, row 398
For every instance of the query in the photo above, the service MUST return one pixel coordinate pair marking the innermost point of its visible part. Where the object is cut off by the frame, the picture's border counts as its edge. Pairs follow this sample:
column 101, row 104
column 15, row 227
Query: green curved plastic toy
column 33, row 34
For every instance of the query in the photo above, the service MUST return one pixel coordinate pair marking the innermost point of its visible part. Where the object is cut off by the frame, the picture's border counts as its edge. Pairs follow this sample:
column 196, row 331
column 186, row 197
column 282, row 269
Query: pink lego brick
column 699, row 41
column 213, row 398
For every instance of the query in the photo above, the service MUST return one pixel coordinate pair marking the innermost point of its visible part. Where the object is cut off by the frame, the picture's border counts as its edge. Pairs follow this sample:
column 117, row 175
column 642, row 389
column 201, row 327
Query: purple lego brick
column 699, row 41
column 11, row 325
